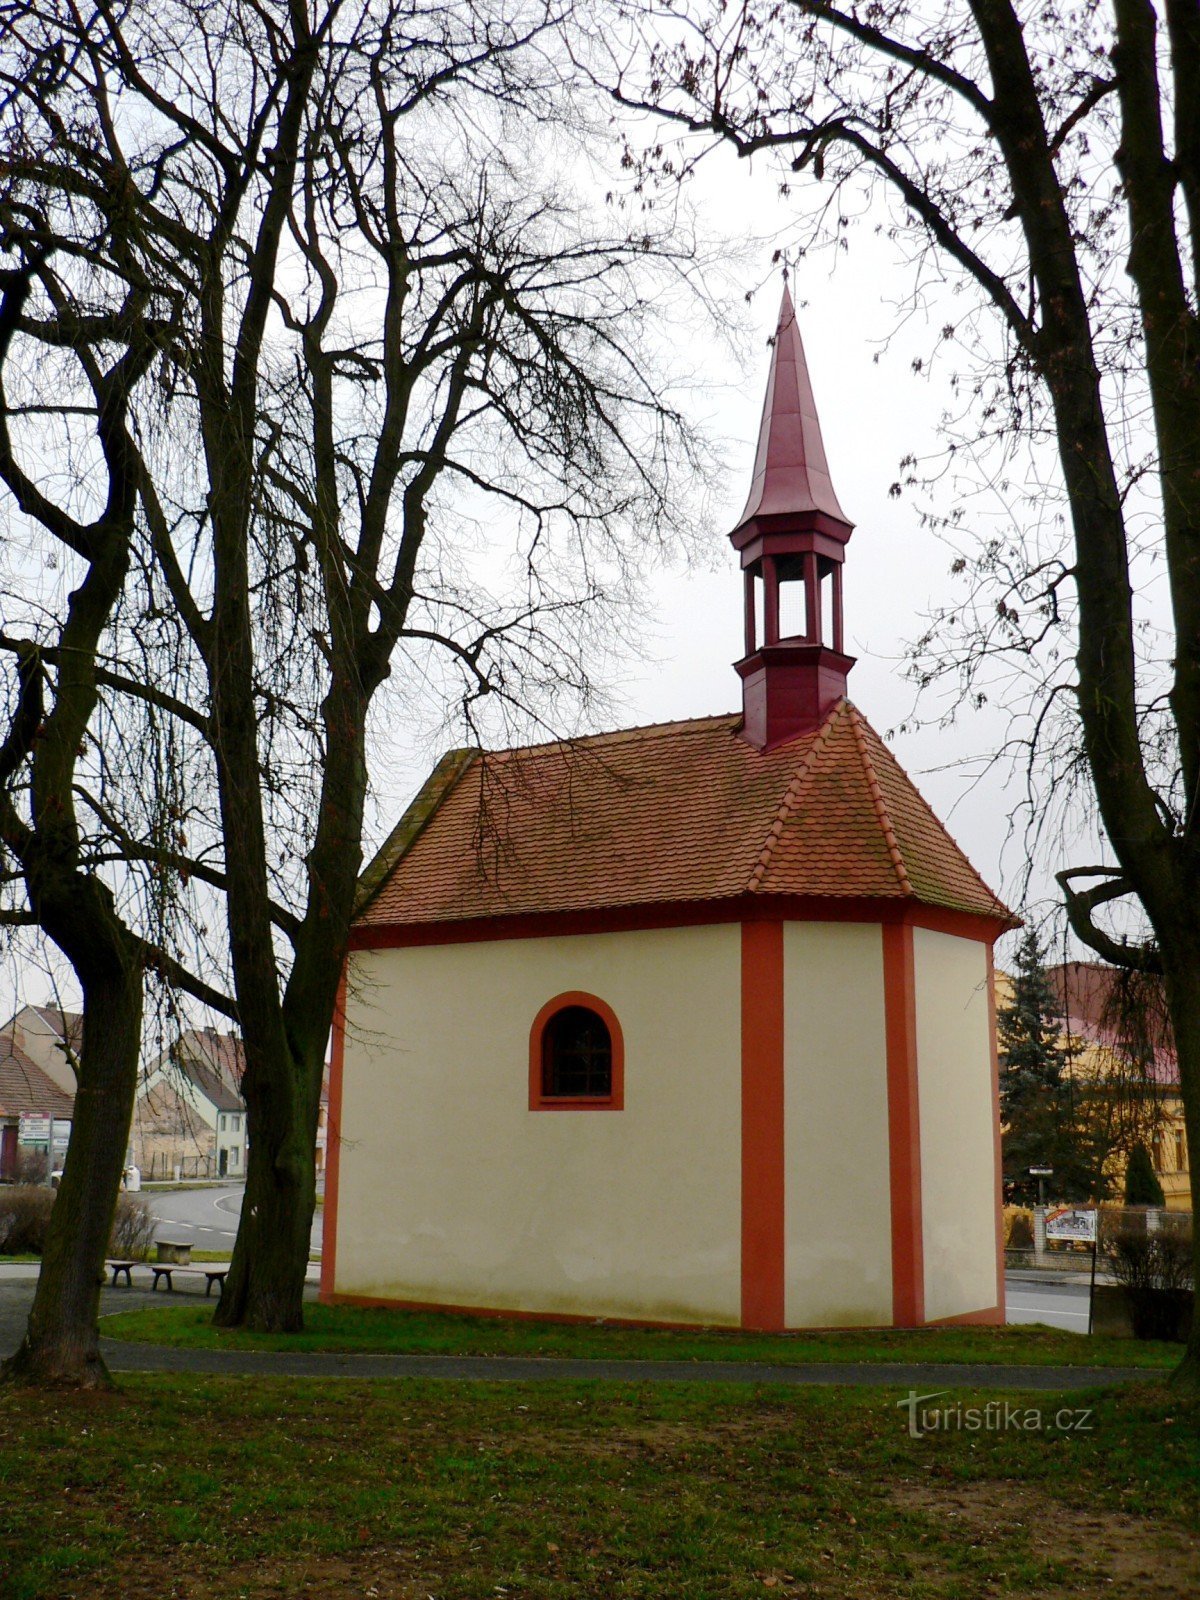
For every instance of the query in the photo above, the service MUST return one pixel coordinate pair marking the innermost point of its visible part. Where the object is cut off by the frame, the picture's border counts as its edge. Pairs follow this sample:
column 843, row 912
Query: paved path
column 123, row 1357
column 17, row 1293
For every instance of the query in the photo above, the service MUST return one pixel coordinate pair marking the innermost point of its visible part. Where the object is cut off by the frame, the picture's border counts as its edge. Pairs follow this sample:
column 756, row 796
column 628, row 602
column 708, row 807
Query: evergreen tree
column 1037, row 1101
column 1142, row 1187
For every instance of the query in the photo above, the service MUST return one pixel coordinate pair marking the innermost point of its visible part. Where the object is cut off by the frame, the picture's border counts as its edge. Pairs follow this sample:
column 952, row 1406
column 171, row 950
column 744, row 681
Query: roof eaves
column 880, row 805
column 412, row 824
column 791, row 796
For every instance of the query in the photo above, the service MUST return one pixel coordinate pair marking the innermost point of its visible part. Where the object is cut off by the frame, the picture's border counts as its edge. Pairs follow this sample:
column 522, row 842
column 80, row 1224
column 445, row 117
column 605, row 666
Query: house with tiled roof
column 189, row 1118
column 28, row 1095
column 1121, row 1053
column 613, row 1005
column 49, row 1036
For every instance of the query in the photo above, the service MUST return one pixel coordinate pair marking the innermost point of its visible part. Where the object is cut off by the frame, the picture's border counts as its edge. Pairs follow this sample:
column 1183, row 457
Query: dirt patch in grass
column 1100, row 1551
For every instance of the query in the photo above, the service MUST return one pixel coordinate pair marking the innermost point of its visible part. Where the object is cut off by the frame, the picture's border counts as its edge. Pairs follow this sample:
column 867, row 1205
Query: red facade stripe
column 762, row 1126
column 904, row 1127
column 996, row 1142
column 333, row 1145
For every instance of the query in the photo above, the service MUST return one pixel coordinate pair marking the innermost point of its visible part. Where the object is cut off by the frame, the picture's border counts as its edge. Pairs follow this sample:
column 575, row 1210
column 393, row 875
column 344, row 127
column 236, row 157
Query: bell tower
column 792, row 540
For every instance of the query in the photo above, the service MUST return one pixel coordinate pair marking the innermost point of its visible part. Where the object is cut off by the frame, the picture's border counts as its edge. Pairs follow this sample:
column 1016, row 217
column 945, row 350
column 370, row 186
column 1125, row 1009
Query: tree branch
column 1080, row 906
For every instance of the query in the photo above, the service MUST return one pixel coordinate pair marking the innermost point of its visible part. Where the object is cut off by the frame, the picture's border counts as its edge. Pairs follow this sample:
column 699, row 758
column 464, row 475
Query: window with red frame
column 577, row 1056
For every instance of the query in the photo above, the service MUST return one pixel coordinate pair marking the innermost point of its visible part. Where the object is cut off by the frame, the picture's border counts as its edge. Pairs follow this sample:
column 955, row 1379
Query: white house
column 686, row 1024
column 189, row 1117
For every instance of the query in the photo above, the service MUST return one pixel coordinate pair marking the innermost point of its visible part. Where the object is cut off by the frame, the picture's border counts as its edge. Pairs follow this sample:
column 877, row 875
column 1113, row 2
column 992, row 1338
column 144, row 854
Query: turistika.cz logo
column 997, row 1416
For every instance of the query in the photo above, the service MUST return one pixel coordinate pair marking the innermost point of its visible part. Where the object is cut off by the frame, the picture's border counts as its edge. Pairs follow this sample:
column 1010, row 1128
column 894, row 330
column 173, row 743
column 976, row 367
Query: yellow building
column 1127, row 1103
column 1145, row 1099
column 612, row 1005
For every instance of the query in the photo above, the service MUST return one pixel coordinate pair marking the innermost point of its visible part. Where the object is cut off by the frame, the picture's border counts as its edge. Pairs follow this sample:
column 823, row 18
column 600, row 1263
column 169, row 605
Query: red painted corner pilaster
column 762, row 1127
column 999, row 1154
column 333, row 1144
column 904, row 1127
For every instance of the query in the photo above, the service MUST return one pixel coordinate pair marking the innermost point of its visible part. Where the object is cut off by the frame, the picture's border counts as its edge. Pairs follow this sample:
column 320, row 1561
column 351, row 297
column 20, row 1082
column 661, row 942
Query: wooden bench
column 119, row 1267
column 167, row 1270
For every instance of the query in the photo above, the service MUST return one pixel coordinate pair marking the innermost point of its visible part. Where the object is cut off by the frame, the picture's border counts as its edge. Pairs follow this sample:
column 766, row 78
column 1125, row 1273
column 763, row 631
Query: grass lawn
column 350, row 1328
column 231, row 1487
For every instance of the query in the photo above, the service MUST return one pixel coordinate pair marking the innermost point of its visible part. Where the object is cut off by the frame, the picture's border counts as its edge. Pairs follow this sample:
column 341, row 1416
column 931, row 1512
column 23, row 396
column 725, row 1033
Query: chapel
column 687, row 1024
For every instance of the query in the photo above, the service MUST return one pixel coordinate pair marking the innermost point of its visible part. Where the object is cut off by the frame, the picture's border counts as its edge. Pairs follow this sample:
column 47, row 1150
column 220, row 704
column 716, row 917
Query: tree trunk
column 1181, row 970
column 265, row 1286
column 61, row 1344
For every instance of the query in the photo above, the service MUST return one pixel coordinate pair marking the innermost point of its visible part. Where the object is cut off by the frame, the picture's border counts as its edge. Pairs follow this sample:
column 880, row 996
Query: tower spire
column 791, row 537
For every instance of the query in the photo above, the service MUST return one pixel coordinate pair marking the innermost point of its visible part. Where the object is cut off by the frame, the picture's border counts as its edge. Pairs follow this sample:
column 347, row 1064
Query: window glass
column 576, row 1056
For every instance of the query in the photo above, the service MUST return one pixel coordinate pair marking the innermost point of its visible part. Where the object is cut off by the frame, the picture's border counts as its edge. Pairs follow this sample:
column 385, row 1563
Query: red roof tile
column 685, row 811
column 25, row 1090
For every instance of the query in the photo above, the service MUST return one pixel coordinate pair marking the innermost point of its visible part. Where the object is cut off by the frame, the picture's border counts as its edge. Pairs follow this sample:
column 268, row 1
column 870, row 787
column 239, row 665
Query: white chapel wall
column 955, row 1096
column 453, row 1192
column 837, row 1206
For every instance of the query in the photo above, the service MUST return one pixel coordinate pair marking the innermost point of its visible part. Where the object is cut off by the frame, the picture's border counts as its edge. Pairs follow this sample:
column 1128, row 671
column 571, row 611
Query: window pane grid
column 576, row 1056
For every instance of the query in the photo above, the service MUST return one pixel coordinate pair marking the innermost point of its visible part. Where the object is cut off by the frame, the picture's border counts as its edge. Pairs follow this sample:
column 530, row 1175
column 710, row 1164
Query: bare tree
column 376, row 329
column 49, row 855
column 1048, row 162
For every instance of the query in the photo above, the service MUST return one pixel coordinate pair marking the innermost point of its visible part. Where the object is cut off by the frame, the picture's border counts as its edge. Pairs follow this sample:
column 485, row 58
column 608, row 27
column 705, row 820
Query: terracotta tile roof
column 25, row 1089
column 68, row 1025
column 684, row 811
column 220, row 1055
column 1119, row 1011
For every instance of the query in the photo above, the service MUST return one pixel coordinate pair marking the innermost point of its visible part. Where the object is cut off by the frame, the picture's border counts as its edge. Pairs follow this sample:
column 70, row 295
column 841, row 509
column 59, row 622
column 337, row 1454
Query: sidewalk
column 1050, row 1275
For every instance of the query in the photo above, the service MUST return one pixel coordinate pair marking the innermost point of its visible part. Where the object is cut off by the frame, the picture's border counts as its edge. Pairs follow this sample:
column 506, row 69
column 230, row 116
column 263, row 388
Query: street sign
column 1076, row 1223
column 33, row 1130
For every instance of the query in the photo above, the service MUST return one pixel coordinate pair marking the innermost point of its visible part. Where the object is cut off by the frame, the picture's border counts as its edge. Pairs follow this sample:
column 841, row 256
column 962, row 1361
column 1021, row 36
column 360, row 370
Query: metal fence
column 167, row 1167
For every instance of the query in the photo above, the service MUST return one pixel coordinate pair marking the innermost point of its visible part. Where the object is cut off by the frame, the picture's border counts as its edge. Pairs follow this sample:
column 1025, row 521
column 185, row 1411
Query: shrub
column 1020, row 1231
column 33, row 1166
column 1155, row 1271
column 133, row 1228
column 24, row 1218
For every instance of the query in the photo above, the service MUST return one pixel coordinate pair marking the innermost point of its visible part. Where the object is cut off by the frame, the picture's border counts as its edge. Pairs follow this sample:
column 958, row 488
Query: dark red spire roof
column 791, row 475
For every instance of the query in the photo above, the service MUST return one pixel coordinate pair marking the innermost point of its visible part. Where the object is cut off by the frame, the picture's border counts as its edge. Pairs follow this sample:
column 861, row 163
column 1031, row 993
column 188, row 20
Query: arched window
column 576, row 1056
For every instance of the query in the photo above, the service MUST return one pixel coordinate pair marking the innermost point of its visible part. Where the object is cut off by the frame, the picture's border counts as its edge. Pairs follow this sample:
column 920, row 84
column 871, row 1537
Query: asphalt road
column 205, row 1218
column 1062, row 1305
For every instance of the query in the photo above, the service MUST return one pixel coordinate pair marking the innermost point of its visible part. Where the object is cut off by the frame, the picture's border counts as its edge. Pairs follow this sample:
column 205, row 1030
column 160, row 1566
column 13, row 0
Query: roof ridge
column 799, row 781
column 1001, row 908
column 857, row 722
column 687, row 725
